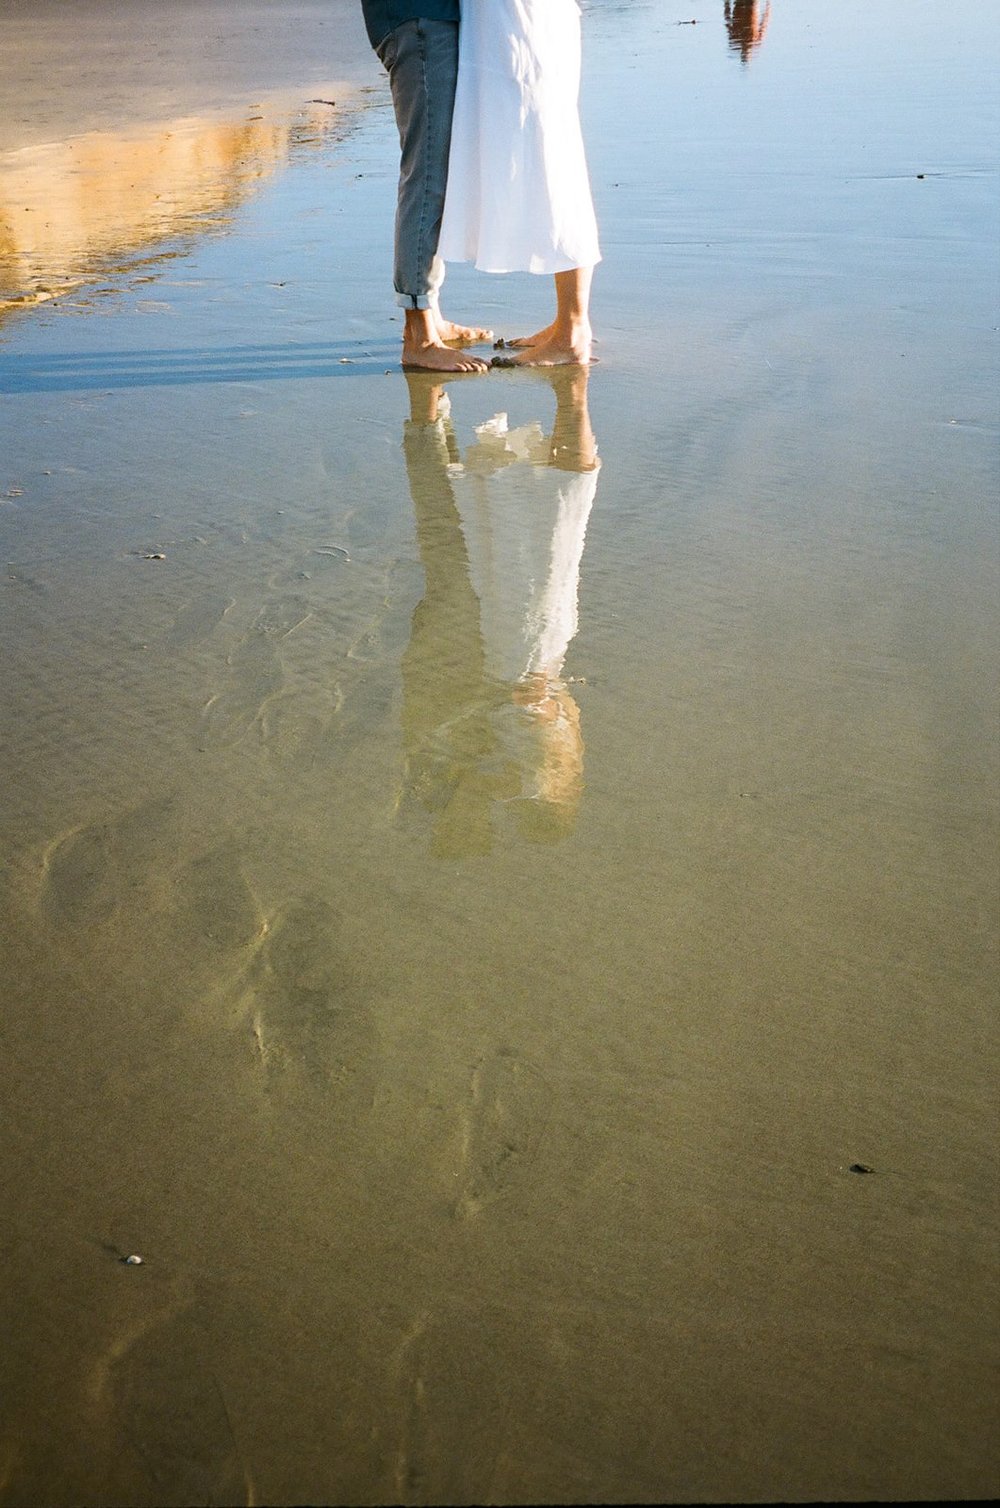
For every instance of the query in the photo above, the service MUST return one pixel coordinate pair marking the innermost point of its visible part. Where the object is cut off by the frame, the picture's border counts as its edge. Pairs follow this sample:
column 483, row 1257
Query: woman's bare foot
column 559, row 346
column 463, row 335
column 523, row 341
column 567, row 341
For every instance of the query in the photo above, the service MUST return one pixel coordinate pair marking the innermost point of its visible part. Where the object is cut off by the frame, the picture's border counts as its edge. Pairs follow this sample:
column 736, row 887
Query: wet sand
column 99, row 65
column 120, row 134
column 478, row 1060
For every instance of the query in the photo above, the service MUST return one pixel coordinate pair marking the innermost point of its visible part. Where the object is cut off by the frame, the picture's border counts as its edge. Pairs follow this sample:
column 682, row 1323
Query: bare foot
column 425, row 351
column 433, row 356
column 523, row 341
column 555, row 347
column 463, row 335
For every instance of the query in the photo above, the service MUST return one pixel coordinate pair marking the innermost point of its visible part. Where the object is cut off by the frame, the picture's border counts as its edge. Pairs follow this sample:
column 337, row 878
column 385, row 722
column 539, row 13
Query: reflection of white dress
column 524, row 523
column 518, row 191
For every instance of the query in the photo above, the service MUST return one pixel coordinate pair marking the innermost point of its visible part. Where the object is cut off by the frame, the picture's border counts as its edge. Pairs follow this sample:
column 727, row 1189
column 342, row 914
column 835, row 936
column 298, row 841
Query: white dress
column 518, row 196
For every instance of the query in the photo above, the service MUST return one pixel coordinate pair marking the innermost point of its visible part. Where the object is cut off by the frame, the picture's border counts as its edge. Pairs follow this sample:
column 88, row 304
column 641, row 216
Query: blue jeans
column 421, row 59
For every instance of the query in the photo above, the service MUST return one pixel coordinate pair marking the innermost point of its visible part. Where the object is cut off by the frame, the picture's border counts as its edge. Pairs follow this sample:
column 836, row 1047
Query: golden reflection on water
column 75, row 211
column 746, row 24
column 488, row 720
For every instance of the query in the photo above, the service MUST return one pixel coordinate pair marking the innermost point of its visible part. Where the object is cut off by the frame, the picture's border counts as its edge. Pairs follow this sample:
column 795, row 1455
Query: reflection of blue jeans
column 421, row 58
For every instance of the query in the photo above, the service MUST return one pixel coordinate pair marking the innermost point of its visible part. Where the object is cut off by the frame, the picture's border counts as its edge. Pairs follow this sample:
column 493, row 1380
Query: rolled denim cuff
column 416, row 300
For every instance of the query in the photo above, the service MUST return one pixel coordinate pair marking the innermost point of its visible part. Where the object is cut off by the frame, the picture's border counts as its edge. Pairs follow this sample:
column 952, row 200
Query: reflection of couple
column 746, row 26
column 487, row 717
column 485, row 94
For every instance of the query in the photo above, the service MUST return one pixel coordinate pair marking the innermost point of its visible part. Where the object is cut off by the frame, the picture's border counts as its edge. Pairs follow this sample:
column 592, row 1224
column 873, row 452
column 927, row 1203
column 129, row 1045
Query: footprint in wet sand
column 319, row 564
column 504, row 1119
column 173, row 926
column 135, row 863
column 89, row 874
column 254, row 673
column 214, row 908
column 277, row 619
column 170, row 1411
column 196, row 621
column 310, row 1008
column 298, row 726
column 367, row 645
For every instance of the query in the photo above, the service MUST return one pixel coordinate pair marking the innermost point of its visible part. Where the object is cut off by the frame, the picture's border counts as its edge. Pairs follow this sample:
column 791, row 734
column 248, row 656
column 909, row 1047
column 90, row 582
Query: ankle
column 420, row 329
column 572, row 324
column 575, row 334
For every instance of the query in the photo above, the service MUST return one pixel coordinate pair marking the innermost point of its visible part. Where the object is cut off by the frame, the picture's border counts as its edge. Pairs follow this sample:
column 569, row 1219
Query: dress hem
column 564, row 265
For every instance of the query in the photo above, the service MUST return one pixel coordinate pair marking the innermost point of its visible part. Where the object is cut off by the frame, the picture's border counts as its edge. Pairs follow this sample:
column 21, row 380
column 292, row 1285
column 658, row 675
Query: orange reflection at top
column 746, row 25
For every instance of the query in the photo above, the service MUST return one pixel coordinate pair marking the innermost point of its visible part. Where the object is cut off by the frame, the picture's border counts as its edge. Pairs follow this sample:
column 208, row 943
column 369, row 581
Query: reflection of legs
column 471, row 740
column 568, row 339
column 572, row 446
column 446, row 700
column 421, row 58
column 446, row 641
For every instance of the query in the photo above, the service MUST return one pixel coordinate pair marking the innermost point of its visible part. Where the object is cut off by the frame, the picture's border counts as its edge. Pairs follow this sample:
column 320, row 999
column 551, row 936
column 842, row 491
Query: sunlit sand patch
column 79, row 211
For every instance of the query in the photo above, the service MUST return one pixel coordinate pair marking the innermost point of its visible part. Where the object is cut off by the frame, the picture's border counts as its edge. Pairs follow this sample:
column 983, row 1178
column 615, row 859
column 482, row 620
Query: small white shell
column 132, row 1260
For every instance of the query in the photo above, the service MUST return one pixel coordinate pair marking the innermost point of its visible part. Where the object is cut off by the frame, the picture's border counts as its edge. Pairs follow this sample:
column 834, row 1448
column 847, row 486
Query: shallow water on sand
column 477, row 1059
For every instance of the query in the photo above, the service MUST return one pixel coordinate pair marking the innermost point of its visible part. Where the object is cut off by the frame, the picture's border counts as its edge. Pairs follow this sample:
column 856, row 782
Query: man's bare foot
column 463, row 335
column 425, row 351
column 432, row 356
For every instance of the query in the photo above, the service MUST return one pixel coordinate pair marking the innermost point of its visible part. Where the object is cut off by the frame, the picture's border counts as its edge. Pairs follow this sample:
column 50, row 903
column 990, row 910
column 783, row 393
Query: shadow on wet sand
column 81, row 370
